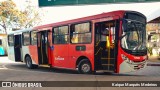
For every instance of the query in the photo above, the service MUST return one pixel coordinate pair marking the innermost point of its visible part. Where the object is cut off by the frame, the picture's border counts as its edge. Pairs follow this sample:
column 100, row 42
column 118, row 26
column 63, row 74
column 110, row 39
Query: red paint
column 50, row 59
column 33, row 52
column 119, row 14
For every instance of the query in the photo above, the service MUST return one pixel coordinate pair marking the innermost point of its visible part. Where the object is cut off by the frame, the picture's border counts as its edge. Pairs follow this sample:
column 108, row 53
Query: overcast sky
column 69, row 12
column 61, row 13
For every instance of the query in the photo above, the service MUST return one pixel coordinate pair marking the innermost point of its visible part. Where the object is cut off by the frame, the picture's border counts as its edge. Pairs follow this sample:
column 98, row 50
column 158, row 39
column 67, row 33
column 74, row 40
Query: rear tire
column 29, row 62
column 84, row 67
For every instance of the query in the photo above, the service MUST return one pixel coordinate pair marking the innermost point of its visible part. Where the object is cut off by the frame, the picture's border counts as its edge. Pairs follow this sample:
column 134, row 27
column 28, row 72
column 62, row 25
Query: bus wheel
column 84, row 67
column 29, row 62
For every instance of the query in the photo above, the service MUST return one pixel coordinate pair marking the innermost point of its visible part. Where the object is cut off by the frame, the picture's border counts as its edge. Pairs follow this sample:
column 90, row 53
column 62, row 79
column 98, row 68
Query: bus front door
column 17, row 47
column 105, row 45
column 43, row 47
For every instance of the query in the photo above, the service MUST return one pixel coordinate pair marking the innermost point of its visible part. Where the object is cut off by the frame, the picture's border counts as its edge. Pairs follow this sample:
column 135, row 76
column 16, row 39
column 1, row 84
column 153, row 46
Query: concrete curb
column 152, row 64
column 149, row 63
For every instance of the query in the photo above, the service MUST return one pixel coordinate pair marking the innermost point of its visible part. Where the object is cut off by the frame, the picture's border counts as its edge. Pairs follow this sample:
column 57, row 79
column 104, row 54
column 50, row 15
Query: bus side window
column 64, row 33
column 81, row 33
column 108, row 33
column 11, row 40
column 26, row 38
column 111, row 37
column 39, row 39
column 60, row 35
column 33, row 37
column 74, row 37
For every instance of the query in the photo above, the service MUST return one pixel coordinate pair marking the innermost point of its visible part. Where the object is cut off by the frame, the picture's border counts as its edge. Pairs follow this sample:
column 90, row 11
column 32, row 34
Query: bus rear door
column 43, row 45
column 17, row 47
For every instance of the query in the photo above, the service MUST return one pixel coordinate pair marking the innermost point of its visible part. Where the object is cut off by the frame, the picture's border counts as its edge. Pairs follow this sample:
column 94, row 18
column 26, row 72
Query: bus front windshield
column 134, row 36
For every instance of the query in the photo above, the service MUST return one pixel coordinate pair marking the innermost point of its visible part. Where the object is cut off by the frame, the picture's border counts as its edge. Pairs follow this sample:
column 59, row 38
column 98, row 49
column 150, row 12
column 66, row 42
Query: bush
column 150, row 50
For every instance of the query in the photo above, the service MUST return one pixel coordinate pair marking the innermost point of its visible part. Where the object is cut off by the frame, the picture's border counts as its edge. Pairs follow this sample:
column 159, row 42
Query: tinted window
column 60, row 35
column 135, row 16
column 81, row 33
column 26, row 38
column 33, row 37
column 11, row 40
column 82, row 28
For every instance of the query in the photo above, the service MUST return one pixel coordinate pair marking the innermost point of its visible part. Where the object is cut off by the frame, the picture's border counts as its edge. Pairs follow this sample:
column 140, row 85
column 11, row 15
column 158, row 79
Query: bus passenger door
column 106, row 45
column 43, row 47
column 17, row 48
column 11, row 55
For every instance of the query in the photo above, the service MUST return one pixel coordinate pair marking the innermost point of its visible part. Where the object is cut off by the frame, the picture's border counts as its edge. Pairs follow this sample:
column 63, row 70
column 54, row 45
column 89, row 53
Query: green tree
column 11, row 16
column 30, row 16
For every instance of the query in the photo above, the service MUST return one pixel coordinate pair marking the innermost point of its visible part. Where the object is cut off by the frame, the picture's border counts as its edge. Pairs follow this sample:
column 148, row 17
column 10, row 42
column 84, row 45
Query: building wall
column 153, row 37
column 153, row 26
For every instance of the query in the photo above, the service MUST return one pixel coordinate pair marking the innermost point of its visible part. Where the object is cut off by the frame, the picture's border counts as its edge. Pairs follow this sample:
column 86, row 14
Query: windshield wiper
column 137, row 47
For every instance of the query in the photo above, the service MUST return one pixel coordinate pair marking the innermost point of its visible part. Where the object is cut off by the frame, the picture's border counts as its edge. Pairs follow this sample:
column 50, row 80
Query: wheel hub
column 85, row 68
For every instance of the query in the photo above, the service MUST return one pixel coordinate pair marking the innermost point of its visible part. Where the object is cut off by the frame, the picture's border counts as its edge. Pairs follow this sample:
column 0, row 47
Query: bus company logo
column 6, row 84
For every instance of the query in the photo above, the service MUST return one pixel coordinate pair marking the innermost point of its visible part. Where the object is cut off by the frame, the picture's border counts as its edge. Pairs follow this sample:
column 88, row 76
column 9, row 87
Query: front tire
column 84, row 67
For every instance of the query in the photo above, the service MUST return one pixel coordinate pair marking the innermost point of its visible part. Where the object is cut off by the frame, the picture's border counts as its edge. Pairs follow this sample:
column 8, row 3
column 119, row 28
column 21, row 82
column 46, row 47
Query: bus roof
column 119, row 13
column 88, row 18
column 20, row 31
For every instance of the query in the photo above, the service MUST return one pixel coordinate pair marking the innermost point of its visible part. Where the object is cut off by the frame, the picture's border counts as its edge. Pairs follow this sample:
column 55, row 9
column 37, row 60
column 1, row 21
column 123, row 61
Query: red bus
column 113, row 41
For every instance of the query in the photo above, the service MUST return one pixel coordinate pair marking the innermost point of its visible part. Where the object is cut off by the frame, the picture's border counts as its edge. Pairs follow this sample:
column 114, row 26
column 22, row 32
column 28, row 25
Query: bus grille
column 139, row 64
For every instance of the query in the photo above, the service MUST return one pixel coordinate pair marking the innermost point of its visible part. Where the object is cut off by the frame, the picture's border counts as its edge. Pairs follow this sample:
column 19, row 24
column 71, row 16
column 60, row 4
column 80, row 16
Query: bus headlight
column 126, row 59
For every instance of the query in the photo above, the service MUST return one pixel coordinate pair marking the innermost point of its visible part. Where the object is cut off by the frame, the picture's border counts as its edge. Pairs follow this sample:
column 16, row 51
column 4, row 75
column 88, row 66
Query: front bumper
column 129, row 67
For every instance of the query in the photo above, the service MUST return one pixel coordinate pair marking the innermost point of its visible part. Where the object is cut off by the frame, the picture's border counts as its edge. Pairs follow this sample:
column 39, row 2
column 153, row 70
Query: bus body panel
column 67, row 55
column 33, row 52
column 74, row 55
column 26, row 51
column 11, row 54
column 50, row 48
column 61, row 58
column 136, row 62
column 119, row 60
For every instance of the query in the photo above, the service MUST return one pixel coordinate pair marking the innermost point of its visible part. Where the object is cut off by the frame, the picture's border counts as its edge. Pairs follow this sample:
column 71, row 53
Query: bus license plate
column 140, row 66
